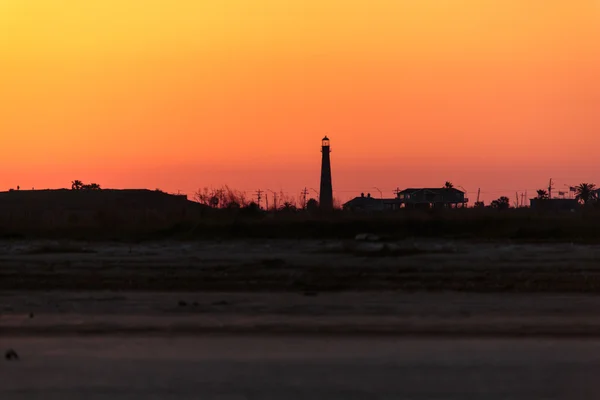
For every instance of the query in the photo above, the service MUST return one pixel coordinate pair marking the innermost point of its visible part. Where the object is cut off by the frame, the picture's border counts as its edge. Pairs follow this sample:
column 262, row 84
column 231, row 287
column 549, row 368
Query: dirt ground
column 301, row 266
column 424, row 287
column 184, row 313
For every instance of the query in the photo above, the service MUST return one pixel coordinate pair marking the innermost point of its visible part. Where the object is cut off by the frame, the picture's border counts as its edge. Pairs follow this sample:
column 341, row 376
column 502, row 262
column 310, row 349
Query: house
column 432, row 197
column 364, row 203
column 554, row 204
column 368, row 203
column 410, row 198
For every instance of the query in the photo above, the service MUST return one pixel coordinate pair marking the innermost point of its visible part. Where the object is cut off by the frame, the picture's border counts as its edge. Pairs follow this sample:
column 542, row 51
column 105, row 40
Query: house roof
column 365, row 201
column 362, row 200
column 410, row 190
column 553, row 200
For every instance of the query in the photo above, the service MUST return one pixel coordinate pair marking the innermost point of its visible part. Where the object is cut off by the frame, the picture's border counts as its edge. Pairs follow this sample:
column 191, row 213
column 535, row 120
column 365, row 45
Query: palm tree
column 542, row 194
column 76, row 185
column 448, row 185
column 585, row 192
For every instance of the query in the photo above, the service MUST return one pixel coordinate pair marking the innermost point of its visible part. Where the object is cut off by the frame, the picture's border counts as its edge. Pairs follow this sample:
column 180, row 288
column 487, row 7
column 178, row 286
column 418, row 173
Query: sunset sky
column 177, row 95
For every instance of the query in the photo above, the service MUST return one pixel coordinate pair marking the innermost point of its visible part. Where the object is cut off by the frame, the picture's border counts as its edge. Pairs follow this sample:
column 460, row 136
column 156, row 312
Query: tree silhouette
column 542, row 194
column 585, row 193
column 234, row 205
column 288, row 206
column 502, row 203
column 448, row 185
column 252, row 209
column 312, row 205
column 91, row 186
column 76, row 185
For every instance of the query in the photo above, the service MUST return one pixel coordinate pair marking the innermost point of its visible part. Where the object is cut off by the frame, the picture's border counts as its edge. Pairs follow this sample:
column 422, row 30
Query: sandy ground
column 184, row 313
column 310, row 287
column 299, row 320
column 296, row 266
column 274, row 368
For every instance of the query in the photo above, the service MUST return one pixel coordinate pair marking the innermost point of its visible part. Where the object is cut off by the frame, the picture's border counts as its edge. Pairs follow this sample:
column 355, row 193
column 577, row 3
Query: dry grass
column 383, row 249
column 255, row 277
column 59, row 248
column 138, row 225
column 298, row 266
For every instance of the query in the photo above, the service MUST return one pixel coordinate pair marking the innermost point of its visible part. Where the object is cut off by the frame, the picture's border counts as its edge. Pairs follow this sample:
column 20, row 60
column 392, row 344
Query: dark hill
column 66, row 199
column 43, row 211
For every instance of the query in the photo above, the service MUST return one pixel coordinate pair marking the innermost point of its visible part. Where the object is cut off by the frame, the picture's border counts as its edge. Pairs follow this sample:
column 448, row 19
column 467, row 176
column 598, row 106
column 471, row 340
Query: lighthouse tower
column 326, row 192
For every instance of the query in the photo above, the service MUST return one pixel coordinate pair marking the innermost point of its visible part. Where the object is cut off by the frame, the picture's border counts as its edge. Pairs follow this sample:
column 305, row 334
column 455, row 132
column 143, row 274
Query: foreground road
column 239, row 367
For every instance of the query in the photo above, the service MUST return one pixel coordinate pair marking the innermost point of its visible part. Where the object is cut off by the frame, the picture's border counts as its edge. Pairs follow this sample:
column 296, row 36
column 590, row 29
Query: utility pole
column 274, row 199
column 304, row 194
column 517, row 198
column 522, row 199
column 397, row 191
column 550, row 189
column 259, row 196
column 478, row 193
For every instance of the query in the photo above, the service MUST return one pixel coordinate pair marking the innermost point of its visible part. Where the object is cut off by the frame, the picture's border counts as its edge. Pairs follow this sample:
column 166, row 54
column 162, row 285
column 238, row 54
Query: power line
column 304, row 193
column 259, row 196
column 274, row 198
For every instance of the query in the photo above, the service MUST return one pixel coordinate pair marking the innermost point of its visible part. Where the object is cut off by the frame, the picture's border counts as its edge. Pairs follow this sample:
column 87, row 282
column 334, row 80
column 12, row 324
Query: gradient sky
column 497, row 94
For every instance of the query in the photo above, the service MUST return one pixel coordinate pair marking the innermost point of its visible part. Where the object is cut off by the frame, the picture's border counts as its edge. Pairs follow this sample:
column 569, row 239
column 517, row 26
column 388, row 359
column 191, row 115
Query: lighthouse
column 326, row 192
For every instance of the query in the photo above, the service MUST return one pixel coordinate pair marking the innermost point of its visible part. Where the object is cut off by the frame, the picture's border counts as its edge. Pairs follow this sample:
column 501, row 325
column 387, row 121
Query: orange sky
column 497, row 94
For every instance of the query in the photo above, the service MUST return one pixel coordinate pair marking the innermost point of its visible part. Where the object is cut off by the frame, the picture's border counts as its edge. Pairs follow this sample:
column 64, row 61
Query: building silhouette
column 411, row 198
column 326, row 191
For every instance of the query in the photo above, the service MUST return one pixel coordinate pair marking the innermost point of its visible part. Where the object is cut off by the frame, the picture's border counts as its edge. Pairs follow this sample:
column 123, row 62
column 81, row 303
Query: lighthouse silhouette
column 326, row 192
